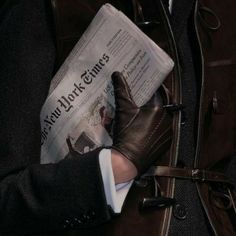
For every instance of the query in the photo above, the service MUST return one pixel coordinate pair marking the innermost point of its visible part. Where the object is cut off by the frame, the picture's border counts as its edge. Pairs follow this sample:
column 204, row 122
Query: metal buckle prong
column 198, row 175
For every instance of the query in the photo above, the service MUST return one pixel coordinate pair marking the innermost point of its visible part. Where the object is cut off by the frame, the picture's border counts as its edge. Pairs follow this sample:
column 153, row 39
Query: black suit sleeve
column 42, row 198
column 36, row 197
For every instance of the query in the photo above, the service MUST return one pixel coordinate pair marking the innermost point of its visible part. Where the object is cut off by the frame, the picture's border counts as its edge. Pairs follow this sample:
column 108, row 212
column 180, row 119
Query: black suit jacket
column 34, row 197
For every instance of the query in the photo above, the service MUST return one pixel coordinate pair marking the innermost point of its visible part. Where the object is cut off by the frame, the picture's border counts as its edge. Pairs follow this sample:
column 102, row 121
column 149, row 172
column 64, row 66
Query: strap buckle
column 198, row 175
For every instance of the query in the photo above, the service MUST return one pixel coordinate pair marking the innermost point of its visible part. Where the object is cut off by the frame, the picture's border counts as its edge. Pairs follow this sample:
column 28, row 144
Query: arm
column 54, row 196
column 36, row 197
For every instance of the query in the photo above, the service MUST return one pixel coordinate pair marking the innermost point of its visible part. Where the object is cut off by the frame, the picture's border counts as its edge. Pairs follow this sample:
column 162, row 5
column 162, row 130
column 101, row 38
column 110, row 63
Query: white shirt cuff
column 115, row 194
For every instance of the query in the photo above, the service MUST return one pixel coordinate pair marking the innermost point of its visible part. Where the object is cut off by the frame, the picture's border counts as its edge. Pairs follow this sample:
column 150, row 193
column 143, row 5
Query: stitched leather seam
column 160, row 137
column 133, row 118
column 154, row 130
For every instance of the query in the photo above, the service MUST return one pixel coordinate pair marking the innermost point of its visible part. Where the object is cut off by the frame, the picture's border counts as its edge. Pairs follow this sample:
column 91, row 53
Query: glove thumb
column 123, row 97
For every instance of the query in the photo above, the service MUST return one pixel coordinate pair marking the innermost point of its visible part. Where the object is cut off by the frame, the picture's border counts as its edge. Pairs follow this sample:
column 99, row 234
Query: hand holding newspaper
column 79, row 109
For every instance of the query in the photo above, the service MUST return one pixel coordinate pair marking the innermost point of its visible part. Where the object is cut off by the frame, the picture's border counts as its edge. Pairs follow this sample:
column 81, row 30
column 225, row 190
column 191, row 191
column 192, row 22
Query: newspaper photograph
column 80, row 108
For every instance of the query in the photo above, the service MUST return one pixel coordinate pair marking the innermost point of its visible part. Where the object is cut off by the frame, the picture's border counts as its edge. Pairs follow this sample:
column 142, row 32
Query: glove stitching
column 154, row 151
column 154, row 130
column 160, row 137
column 133, row 118
column 158, row 147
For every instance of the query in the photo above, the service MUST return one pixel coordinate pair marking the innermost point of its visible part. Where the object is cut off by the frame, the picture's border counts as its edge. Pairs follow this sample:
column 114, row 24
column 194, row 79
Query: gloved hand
column 143, row 133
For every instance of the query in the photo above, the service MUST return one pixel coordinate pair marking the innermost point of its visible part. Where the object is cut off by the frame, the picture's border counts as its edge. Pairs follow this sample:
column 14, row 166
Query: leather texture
column 71, row 19
column 143, row 133
column 217, row 143
column 213, row 32
column 188, row 173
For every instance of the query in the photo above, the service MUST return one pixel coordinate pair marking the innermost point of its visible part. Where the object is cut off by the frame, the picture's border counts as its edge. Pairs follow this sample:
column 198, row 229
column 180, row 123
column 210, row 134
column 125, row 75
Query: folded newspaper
column 79, row 110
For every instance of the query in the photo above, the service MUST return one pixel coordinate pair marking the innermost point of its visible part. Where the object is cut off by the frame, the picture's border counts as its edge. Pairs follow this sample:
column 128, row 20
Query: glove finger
column 123, row 97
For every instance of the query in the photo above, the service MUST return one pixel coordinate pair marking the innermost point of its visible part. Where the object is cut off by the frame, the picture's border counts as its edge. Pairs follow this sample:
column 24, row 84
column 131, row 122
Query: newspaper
column 80, row 107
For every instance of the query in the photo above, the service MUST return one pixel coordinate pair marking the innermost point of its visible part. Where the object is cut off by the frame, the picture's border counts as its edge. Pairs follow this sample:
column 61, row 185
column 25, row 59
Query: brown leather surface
column 143, row 133
column 217, row 139
column 72, row 17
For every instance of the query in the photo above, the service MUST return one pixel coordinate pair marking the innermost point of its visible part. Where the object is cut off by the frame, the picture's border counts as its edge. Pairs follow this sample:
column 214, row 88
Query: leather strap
column 222, row 62
column 197, row 175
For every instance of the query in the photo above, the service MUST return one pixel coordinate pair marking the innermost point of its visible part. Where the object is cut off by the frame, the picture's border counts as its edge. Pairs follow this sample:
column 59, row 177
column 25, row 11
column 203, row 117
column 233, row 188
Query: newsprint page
column 80, row 107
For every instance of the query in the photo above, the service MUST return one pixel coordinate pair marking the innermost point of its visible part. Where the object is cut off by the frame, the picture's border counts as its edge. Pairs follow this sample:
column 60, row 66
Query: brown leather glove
column 143, row 133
